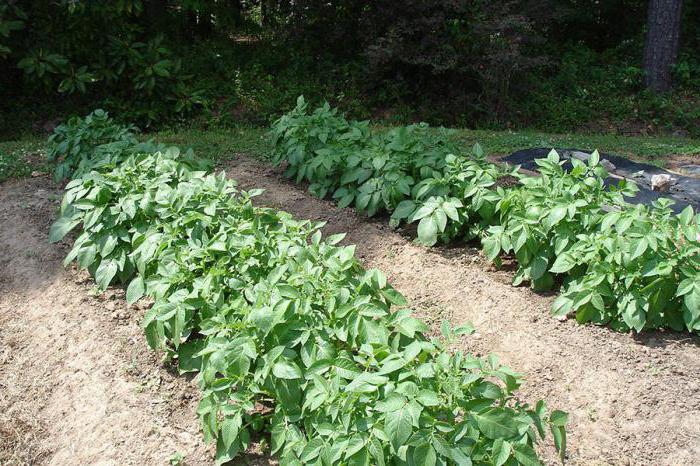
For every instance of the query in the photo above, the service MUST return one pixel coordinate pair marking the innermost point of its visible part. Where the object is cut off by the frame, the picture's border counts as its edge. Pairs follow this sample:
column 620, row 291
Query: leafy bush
column 111, row 205
column 287, row 331
column 73, row 144
column 407, row 170
column 541, row 220
column 632, row 268
column 640, row 269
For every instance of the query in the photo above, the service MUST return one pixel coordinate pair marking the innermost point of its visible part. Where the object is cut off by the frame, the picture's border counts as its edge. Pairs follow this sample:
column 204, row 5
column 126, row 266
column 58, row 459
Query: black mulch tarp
column 685, row 190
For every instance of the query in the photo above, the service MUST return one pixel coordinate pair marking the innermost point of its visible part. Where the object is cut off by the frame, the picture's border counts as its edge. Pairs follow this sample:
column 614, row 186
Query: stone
column 662, row 183
column 609, row 166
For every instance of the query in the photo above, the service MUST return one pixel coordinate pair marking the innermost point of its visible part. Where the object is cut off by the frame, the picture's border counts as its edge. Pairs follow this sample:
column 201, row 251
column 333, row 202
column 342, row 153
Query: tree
column 661, row 47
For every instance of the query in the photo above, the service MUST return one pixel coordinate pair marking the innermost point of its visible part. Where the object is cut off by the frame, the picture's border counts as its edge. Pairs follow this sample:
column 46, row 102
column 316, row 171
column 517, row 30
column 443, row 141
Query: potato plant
column 640, row 269
column 288, row 333
column 630, row 267
column 409, row 171
column 72, row 144
column 113, row 206
column 541, row 220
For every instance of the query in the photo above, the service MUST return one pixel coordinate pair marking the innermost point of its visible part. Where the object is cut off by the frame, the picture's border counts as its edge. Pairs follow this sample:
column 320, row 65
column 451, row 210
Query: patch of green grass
column 218, row 145
column 20, row 157
column 654, row 148
column 221, row 144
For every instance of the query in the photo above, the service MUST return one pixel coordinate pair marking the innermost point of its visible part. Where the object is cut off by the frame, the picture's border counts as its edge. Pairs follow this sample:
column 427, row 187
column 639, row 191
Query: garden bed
column 81, row 378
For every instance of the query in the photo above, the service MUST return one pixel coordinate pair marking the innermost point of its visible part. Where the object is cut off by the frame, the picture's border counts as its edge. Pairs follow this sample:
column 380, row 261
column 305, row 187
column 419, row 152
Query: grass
column 18, row 158
column 219, row 144
column 649, row 148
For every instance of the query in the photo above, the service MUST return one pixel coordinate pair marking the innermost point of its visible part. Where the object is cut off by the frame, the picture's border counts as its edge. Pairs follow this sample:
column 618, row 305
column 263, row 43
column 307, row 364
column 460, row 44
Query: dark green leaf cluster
column 12, row 18
column 541, row 219
column 630, row 267
column 74, row 145
column 409, row 171
column 289, row 334
column 639, row 269
column 113, row 204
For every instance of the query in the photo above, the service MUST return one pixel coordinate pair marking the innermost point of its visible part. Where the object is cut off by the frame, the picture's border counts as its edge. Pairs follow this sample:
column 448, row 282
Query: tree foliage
column 556, row 63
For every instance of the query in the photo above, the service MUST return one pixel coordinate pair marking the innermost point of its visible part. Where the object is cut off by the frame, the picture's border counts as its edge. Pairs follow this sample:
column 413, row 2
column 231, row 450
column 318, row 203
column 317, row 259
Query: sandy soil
column 78, row 384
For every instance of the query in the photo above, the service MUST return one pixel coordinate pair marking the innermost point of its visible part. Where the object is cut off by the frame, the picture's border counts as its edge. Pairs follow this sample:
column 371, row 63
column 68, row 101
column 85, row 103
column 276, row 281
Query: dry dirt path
column 78, row 384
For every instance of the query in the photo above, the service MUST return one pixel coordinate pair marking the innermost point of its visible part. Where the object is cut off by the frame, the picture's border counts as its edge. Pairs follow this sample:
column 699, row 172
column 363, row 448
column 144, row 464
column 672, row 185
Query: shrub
column 72, row 145
column 541, row 220
column 640, row 269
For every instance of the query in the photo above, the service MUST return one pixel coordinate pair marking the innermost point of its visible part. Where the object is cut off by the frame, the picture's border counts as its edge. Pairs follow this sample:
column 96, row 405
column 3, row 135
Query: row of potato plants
column 630, row 267
column 286, row 330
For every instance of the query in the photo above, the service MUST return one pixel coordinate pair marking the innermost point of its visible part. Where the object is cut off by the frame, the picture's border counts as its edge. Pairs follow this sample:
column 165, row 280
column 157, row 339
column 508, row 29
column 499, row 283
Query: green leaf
column 427, row 231
column 500, row 452
column 685, row 287
column 187, row 359
column 555, row 216
column 594, row 159
column 398, row 425
column 229, row 429
column 563, row 264
column 634, row 315
column 60, row 228
column 135, row 290
column 526, row 455
column 559, row 435
column 558, row 418
column 497, row 423
column 105, row 273
column 286, row 369
column 538, row 267
column 312, row 450
column 428, row 398
column 492, row 247
column 424, row 455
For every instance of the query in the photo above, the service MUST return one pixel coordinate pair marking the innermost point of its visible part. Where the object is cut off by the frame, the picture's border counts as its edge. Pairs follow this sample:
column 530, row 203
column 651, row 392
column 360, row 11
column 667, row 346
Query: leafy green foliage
column 488, row 65
column 629, row 267
column 12, row 19
column 40, row 64
column 409, row 171
column 149, row 70
column 289, row 334
column 541, row 220
column 640, row 269
column 111, row 205
column 74, row 145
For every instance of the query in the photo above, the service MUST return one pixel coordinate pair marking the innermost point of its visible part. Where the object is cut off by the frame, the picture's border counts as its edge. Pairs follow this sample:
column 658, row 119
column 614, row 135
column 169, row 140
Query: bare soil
column 78, row 385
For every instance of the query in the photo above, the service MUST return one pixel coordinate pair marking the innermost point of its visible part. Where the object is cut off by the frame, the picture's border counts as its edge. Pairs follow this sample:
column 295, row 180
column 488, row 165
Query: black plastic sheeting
column 685, row 191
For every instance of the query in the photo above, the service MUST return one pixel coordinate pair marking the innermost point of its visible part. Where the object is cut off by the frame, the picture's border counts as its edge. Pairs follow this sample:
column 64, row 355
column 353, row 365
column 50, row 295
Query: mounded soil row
column 78, row 385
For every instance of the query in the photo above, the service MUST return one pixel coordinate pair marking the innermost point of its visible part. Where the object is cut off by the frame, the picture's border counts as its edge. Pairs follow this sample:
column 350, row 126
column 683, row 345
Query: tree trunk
column 236, row 13
column 661, row 47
